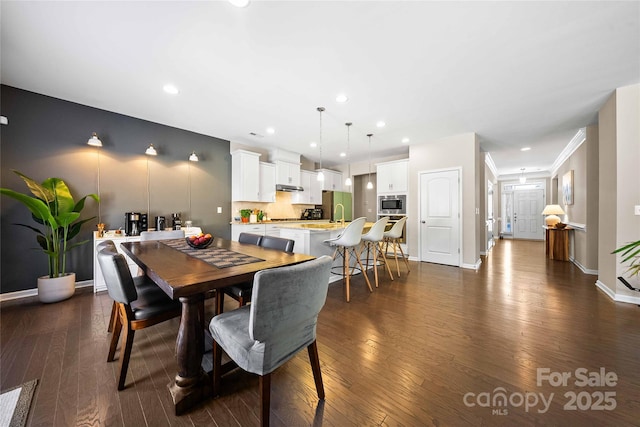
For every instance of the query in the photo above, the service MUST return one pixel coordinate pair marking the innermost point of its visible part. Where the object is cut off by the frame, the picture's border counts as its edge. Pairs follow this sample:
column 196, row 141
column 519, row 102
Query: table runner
column 218, row 257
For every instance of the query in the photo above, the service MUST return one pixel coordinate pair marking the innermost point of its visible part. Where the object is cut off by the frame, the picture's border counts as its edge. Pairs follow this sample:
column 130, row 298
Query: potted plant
column 245, row 214
column 631, row 252
column 54, row 208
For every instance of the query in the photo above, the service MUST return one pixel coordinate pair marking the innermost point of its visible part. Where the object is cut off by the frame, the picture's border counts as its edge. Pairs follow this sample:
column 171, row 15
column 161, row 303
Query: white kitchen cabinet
column 263, row 229
column 267, row 182
column 98, row 279
column 312, row 194
column 393, row 177
column 272, row 230
column 332, row 180
column 245, row 184
column 287, row 173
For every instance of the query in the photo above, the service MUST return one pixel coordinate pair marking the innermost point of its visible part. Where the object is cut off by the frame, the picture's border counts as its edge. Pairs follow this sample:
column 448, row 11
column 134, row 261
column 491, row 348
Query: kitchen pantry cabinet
column 393, row 177
column 287, row 173
column 267, row 182
column 312, row 194
column 244, row 185
column 332, row 180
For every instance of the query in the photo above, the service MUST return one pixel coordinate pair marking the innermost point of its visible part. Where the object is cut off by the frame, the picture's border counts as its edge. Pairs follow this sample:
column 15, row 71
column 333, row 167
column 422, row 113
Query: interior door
column 440, row 217
column 527, row 218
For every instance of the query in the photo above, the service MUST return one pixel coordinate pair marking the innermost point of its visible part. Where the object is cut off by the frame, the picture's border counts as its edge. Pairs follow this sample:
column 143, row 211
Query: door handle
column 424, row 222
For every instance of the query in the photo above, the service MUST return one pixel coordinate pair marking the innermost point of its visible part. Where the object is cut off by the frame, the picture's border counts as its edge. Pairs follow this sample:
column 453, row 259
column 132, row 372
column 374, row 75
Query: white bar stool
column 371, row 241
column 393, row 236
column 347, row 243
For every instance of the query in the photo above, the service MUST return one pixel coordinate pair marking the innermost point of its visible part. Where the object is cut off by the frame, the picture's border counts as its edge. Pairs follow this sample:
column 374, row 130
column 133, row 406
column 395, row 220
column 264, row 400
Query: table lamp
column 552, row 211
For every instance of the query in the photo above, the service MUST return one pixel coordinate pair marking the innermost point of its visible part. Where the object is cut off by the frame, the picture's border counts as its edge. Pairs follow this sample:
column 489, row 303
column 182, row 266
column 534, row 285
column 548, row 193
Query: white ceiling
column 516, row 73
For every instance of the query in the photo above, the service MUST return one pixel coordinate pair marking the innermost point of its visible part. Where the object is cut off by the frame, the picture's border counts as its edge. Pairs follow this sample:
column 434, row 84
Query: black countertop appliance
column 312, row 213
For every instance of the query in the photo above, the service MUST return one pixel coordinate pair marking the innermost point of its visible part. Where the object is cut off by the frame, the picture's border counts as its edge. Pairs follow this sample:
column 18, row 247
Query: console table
column 557, row 243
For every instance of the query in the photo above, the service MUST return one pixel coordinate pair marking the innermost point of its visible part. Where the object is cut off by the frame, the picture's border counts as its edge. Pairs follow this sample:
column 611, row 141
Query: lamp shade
column 552, row 211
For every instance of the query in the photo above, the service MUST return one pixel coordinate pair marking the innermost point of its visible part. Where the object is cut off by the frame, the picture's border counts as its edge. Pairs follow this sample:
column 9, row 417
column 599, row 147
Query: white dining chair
column 393, row 236
column 371, row 242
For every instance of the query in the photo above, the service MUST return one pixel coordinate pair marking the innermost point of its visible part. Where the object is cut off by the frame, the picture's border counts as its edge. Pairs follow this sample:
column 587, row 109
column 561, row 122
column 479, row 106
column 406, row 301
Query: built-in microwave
column 392, row 205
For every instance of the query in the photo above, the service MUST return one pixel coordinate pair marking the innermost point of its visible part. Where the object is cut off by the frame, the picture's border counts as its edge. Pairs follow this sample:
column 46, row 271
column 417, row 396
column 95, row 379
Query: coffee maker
column 176, row 222
column 132, row 223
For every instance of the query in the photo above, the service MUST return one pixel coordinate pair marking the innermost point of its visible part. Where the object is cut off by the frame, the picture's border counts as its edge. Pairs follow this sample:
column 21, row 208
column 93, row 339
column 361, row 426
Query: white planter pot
column 56, row 289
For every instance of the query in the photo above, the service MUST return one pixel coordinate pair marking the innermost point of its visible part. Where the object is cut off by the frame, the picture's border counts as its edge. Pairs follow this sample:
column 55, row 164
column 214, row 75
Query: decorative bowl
column 561, row 225
column 204, row 244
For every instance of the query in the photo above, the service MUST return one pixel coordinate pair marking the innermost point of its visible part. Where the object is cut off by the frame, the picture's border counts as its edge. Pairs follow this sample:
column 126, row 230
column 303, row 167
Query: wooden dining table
column 187, row 278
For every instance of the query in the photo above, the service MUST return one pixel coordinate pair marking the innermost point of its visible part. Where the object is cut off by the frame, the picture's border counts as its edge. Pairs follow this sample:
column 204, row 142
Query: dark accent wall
column 47, row 137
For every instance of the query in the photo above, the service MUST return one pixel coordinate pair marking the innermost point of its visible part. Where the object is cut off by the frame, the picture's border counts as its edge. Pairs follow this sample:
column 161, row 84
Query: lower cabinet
column 261, row 229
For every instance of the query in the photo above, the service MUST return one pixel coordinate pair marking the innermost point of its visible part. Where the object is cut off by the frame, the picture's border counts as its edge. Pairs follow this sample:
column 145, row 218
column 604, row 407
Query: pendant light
column 347, row 181
column 523, row 178
column 320, row 174
column 369, row 184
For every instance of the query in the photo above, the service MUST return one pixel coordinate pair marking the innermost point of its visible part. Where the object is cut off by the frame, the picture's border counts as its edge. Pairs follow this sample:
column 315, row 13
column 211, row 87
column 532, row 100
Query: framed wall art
column 567, row 188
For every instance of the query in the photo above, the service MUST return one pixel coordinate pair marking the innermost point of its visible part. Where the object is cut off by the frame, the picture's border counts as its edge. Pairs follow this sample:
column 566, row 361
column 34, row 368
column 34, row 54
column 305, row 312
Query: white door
column 527, row 218
column 440, row 217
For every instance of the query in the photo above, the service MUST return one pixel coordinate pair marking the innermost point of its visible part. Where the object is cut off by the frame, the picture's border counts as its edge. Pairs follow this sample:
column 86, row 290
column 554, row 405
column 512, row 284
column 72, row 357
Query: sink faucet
column 336, row 210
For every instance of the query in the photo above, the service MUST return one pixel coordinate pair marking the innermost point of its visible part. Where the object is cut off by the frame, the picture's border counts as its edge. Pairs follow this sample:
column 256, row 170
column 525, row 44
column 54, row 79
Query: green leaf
column 36, row 189
column 37, row 207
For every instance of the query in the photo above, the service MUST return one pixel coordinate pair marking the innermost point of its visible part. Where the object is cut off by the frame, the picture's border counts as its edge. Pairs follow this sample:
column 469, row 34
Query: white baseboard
column 617, row 297
column 475, row 266
column 27, row 293
column 584, row 269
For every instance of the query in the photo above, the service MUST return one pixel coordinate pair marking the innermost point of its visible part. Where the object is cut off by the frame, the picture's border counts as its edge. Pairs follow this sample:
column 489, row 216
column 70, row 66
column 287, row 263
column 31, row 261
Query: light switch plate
column 219, row 209
column 636, row 210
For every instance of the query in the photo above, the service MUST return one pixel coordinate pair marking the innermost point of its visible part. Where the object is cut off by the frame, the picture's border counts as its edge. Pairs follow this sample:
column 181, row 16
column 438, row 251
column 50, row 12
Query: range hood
column 288, row 188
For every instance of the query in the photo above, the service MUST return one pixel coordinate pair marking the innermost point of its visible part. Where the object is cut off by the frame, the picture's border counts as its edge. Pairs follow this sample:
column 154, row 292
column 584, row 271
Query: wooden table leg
column 191, row 384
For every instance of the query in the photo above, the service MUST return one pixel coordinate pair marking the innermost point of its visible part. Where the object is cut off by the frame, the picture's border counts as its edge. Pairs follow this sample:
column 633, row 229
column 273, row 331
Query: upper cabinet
column 332, row 180
column 393, row 177
column 244, row 185
column 267, row 182
column 287, row 173
column 312, row 194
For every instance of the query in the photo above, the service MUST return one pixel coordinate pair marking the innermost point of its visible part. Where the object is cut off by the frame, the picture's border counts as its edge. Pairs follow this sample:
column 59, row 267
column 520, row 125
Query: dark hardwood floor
column 420, row 350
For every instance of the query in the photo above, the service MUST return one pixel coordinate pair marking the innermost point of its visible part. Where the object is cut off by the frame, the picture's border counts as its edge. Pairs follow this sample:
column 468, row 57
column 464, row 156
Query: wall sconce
column 193, row 157
column 151, row 151
column 552, row 211
column 94, row 141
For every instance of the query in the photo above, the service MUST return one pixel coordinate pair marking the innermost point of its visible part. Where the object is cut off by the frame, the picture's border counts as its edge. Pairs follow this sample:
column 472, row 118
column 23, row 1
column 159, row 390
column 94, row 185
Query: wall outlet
column 219, row 209
column 636, row 210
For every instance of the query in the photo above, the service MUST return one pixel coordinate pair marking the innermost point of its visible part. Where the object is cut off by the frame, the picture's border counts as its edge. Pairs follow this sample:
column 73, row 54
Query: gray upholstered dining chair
column 242, row 291
column 134, row 310
column 280, row 321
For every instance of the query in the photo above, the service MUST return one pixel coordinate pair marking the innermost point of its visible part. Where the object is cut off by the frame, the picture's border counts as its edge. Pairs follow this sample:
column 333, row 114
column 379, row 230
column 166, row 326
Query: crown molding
column 571, row 147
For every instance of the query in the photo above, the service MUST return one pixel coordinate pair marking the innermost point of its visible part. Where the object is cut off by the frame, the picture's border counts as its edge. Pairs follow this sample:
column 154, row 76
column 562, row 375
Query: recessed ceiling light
column 170, row 89
column 405, row 140
column 313, row 145
column 239, row 3
column 271, row 131
column 525, row 149
column 343, row 154
column 342, row 98
column 381, row 124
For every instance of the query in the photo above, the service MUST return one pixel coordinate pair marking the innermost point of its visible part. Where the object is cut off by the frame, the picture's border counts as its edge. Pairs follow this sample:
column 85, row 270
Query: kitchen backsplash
column 282, row 208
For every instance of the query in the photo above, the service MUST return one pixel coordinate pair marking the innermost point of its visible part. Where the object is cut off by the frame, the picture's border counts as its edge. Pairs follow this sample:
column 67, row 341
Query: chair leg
column 375, row 262
column 346, row 271
column 265, row 399
column 383, row 259
column 395, row 254
column 315, row 367
column 217, row 367
column 125, row 354
column 406, row 261
column 115, row 334
column 112, row 317
column 366, row 279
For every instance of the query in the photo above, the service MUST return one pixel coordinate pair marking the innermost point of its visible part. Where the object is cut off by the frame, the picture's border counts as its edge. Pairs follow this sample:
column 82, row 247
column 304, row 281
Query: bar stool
column 393, row 236
column 371, row 242
column 348, row 242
